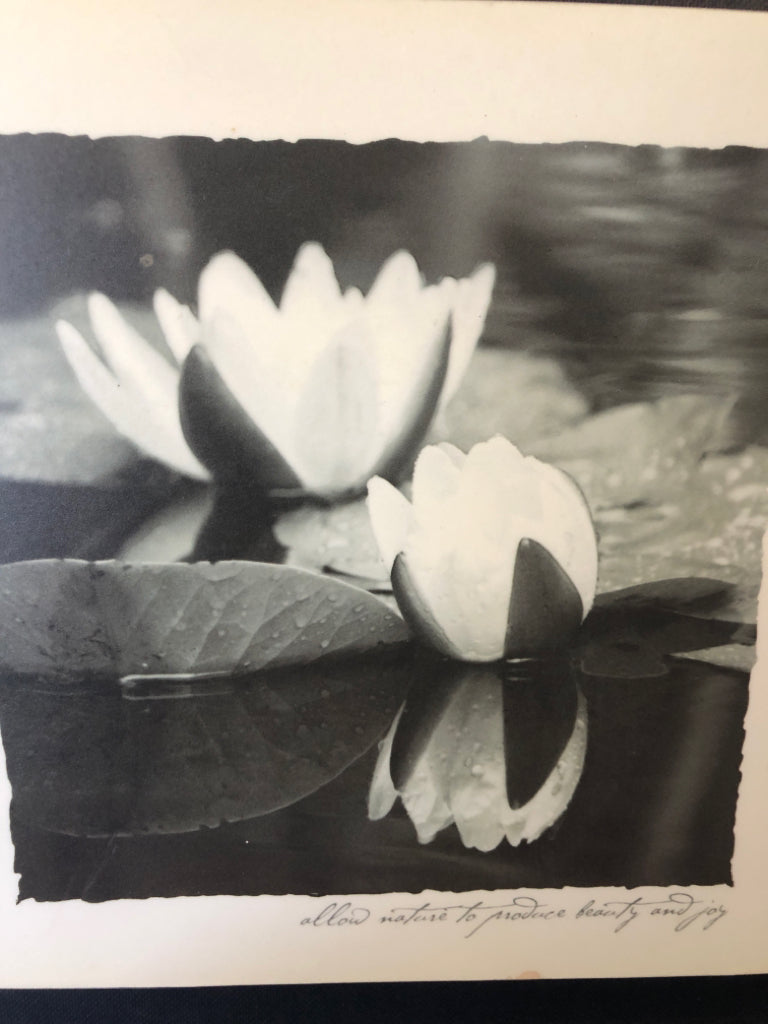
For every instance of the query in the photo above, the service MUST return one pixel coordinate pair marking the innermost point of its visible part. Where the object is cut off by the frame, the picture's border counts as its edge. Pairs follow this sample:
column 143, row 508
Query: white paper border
column 367, row 70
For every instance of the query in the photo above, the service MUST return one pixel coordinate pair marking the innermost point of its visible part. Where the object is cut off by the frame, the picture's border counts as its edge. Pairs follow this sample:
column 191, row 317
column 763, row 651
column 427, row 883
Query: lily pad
column 632, row 633
column 337, row 538
column 713, row 528
column 166, row 698
column 524, row 397
column 68, row 618
column 641, row 452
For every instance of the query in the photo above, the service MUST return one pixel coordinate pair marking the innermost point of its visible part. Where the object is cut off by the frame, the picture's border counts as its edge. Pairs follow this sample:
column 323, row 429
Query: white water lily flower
column 132, row 384
column 496, row 556
column 318, row 394
column 453, row 769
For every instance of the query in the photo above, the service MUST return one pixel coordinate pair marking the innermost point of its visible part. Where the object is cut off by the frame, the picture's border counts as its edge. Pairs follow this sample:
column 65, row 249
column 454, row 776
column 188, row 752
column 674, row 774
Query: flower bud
column 496, row 555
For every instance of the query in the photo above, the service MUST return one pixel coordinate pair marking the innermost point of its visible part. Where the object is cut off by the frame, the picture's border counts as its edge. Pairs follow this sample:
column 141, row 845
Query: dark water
column 109, row 793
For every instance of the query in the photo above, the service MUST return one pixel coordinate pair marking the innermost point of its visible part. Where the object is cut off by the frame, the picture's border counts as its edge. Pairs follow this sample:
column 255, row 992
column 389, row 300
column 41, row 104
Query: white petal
column 133, row 360
column 382, row 794
column 510, row 482
column 436, row 478
column 462, row 556
column 311, row 291
column 568, row 531
column 425, row 794
column 456, row 455
column 178, row 322
column 427, row 808
column 153, row 426
column 313, row 311
column 398, row 282
column 391, row 515
column 353, row 301
column 514, row 497
column 263, row 385
column 228, row 284
column 536, row 500
column 477, row 786
column 335, row 425
column 408, row 340
column 470, row 306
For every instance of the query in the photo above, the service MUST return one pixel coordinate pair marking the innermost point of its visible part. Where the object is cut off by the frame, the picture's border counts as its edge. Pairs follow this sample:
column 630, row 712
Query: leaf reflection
column 654, row 805
column 163, row 755
column 632, row 633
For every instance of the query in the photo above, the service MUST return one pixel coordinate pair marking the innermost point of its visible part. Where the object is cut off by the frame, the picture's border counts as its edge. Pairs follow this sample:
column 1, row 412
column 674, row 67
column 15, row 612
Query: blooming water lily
column 494, row 557
column 497, row 757
column 328, row 388
column 313, row 396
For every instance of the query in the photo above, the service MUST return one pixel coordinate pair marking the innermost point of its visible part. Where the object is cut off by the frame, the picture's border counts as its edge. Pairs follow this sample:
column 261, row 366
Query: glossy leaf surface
column 69, row 618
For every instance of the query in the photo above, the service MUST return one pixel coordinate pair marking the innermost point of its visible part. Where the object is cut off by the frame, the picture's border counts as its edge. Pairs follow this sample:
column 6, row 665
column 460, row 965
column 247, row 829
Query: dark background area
column 640, row 268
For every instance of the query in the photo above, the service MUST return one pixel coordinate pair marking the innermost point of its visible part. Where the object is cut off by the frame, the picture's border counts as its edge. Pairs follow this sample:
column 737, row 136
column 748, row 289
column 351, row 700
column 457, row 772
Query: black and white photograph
column 380, row 517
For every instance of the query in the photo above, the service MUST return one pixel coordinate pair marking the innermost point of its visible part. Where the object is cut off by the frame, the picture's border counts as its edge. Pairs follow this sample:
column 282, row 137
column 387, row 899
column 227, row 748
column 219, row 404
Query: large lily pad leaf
column 713, row 528
column 166, row 698
column 66, row 619
column 642, row 452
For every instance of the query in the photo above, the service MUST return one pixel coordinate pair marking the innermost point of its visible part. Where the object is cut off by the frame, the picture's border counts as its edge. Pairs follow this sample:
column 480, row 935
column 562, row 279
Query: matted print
column 382, row 531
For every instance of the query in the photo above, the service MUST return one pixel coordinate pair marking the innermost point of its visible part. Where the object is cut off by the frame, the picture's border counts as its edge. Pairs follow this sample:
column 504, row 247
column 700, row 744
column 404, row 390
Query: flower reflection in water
column 496, row 749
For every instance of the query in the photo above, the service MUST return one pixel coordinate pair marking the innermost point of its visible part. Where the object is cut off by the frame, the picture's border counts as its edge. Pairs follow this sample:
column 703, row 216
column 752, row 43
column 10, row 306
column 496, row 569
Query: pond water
column 168, row 792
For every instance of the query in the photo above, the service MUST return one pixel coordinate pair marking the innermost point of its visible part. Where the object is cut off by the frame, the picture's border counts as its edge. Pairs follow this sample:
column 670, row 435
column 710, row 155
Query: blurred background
column 644, row 270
